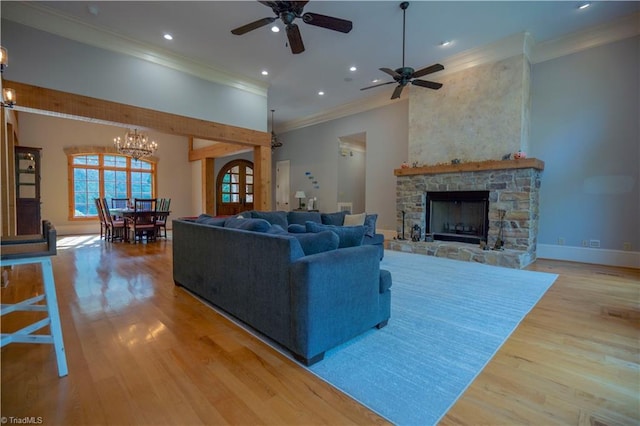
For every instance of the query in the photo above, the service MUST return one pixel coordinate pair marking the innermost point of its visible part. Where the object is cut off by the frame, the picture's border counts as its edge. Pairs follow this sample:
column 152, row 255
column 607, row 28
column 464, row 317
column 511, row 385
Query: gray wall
column 314, row 149
column 43, row 59
column 584, row 125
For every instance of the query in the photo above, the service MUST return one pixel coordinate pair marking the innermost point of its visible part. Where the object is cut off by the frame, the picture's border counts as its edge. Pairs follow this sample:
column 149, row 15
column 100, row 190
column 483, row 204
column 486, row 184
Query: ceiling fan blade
column 378, row 85
column 329, row 22
column 397, row 92
column 295, row 39
column 428, row 70
column 428, row 84
column 252, row 26
column 391, row 72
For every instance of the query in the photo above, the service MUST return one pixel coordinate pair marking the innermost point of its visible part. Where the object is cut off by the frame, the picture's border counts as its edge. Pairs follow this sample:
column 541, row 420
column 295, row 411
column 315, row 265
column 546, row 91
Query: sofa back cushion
column 274, row 218
column 350, row 236
column 301, row 218
column 256, row 225
column 336, row 218
column 206, row 219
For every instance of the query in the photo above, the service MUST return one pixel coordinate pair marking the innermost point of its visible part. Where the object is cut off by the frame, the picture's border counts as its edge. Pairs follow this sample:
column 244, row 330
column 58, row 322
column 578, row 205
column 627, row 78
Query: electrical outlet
column 626, row 246
column 594, row 243
column 560, row 241
column 585, row 243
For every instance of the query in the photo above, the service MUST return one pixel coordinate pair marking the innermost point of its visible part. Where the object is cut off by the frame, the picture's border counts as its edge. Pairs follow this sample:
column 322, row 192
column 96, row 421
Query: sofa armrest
column 334, row 297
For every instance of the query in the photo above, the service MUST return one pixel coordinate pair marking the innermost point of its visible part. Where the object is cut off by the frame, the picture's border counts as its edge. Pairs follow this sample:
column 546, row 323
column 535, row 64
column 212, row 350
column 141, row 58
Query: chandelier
column 135, row 145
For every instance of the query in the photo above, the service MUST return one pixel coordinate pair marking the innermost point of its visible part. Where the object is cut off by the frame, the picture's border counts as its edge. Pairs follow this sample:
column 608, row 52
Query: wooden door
column 234, row 188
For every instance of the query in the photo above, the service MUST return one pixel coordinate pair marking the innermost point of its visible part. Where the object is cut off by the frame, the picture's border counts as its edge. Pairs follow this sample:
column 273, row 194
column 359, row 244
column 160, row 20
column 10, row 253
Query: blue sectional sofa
column 300, row 290
column 297, row 222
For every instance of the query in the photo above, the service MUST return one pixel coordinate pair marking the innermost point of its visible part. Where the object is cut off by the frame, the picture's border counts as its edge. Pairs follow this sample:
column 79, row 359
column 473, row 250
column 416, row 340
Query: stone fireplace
column 512, row 189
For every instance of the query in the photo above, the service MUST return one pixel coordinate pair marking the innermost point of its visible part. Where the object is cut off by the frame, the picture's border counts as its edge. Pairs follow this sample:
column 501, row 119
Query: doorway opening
column 234, row 188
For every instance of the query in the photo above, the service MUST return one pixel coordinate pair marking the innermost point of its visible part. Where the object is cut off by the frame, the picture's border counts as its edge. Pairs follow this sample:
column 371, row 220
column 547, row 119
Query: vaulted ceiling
column 202, row 37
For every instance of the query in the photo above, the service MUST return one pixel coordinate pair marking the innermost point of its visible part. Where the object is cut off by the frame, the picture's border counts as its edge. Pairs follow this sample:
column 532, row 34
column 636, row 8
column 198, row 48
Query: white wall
column 314, row 149
column 585, row 126
column 43, row 59
column 53, row 134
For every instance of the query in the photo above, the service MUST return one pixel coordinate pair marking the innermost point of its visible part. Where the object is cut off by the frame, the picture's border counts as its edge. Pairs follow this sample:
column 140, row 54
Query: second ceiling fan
column 406, row 75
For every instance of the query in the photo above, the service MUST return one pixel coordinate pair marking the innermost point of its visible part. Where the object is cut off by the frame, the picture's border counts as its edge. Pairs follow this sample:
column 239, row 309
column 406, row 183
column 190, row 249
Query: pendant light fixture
column 274, row 139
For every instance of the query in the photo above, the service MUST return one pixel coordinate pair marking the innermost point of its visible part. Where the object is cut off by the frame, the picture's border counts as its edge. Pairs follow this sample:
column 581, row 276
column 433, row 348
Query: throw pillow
column 354, row 219
column 296, row 228
column 336, row 218
column 349, row 236
column 274, row 218
column 370, row 225
column 256, row 225
column 318, row 242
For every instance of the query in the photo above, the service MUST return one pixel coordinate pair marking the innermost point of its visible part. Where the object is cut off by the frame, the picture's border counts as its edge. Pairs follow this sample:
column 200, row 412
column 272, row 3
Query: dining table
column 132, row 214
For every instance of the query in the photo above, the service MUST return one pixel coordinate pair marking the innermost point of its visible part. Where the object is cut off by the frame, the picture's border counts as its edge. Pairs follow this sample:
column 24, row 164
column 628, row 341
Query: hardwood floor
column 142, row 351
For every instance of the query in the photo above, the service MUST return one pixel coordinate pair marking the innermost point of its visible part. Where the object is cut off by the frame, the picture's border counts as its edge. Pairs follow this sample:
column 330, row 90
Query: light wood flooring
column 142, row 351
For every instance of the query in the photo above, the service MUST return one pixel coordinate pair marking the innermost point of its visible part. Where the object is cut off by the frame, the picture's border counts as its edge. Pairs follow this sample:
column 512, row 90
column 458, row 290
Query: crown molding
column 45, row 19
column 619, row 29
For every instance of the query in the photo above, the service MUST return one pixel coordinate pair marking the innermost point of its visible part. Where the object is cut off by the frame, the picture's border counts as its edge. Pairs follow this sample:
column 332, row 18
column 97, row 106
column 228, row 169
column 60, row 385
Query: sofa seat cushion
column 256, row 225
column 336, row 218
column 274, row 218
column 350, row 236
column 301, row 218
column 376, row 239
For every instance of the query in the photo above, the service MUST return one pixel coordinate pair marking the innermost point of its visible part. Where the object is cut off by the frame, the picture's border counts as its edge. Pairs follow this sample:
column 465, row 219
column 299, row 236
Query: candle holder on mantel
column 499, row 245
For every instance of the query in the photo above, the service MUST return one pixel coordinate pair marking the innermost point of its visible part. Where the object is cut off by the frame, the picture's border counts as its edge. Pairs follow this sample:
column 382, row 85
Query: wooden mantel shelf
column 472, row 166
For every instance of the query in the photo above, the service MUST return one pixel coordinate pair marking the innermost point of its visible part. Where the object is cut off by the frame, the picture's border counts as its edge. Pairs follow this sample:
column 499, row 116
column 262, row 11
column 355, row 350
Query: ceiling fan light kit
column 405, row 75
column 288, row 11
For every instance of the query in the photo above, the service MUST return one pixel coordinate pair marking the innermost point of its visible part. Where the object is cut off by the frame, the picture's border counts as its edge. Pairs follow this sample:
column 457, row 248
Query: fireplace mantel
column 472, row 166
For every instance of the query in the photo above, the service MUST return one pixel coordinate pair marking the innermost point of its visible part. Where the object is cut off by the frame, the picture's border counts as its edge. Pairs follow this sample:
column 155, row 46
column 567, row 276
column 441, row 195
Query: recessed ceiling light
column 445, row 43
column 168, row 36
column 584, row 6
column 352, row 69
column 375, row 80
column 265, row 72
column 275, row 29
column 321, row 93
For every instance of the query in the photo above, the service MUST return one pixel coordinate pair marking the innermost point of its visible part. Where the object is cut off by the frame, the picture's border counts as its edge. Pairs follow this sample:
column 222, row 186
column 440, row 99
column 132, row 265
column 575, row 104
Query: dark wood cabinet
column 28, row 219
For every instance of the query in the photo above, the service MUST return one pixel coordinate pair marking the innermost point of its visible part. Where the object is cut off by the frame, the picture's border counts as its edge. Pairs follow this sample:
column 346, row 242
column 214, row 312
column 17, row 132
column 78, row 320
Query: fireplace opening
column 458, row 216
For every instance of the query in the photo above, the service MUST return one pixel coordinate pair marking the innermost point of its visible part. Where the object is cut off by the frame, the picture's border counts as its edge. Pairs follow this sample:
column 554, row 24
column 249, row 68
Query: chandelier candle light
column 135, row 145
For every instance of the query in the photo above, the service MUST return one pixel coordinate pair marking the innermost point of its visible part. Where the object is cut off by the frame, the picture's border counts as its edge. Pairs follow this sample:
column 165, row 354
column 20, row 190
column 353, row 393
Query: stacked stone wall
column 514, row 191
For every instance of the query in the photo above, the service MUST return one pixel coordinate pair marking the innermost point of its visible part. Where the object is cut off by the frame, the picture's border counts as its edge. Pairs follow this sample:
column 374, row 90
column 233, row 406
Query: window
column 107, row 176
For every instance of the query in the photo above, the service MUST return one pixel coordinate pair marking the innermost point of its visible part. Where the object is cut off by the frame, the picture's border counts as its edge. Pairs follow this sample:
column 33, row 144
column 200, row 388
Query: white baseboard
column 627, row 259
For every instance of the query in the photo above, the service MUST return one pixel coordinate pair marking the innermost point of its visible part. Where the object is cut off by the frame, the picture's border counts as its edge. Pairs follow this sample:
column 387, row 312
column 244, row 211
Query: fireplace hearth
column 457, row 216
column 499, row 208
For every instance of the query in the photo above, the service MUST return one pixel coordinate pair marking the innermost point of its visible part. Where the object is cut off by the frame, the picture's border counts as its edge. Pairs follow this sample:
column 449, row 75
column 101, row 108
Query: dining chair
column 103, row 221
column 143, row 222
column 115, row 227
column 119, row 203
column 162, row 215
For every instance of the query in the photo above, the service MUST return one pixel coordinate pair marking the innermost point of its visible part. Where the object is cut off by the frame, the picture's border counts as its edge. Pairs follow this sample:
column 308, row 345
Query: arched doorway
column 234, row 188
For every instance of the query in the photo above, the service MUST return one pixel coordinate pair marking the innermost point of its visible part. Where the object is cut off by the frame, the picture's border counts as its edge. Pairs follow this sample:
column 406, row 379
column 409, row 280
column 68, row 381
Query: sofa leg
column 382, row 324
column 309, row 361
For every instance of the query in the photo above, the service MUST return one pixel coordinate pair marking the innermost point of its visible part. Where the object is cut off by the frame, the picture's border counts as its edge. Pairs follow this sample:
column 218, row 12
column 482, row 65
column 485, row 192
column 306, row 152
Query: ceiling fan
column 406, row 75
column 288, row 11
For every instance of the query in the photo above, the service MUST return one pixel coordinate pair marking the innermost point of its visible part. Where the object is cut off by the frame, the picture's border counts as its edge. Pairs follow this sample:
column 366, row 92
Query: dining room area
column 134, row 220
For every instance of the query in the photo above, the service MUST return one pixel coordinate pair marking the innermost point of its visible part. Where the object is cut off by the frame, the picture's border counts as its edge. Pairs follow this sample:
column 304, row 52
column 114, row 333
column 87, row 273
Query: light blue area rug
column 448, row 319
